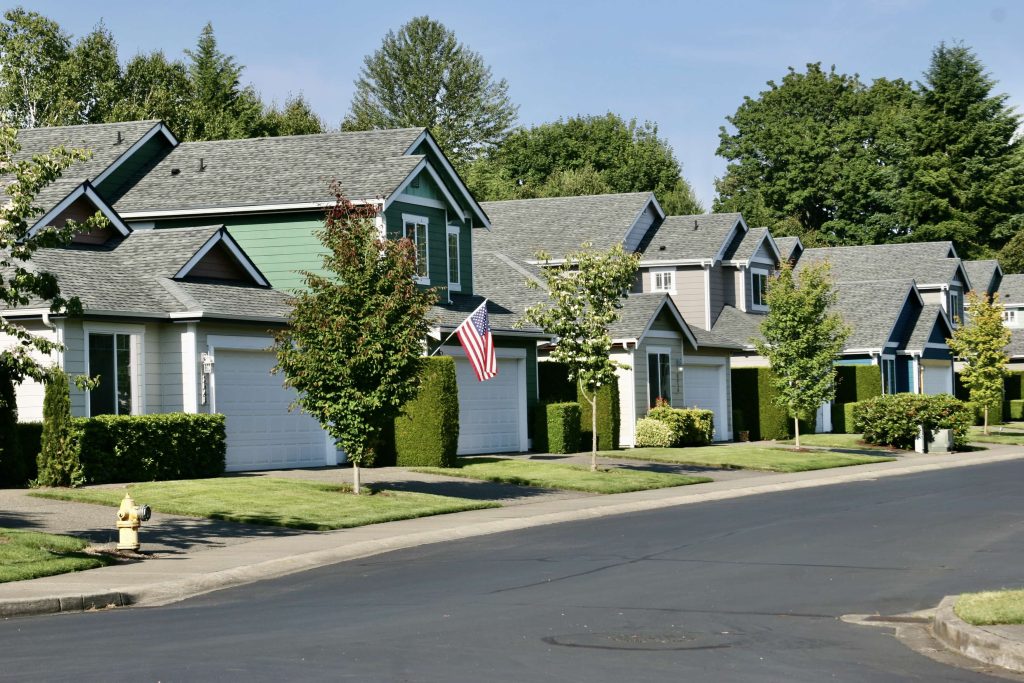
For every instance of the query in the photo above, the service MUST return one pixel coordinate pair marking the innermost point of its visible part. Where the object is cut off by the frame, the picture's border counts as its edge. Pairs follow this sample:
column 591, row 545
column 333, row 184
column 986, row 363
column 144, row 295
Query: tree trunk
column 796, row 430
column 355, row 478
column 985, row 427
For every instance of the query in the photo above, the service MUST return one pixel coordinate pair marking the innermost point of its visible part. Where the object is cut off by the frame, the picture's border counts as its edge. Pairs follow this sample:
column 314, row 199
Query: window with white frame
column 956, row 310
column 888, row 376
column 663, row 281
column 454, row 272
column 416, row 229
column 659, row 376
column 758, row 288
column 1010, row 316
column 112, row 359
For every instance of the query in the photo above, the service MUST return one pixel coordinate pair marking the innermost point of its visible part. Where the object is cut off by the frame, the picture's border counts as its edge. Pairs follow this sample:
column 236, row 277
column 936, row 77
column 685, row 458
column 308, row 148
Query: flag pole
column 455, row 330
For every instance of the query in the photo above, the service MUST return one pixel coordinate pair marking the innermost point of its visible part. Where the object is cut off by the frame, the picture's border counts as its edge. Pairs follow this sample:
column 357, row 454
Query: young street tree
column 423, row 76
column 354, row 345
column 802, row 339
column 585, row 295
column 981, row 344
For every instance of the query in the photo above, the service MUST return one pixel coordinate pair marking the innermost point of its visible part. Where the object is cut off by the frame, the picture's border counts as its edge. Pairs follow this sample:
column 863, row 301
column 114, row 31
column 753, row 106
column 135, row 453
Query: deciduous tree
column 802, row 338
column 355, row 341
column 981, row 344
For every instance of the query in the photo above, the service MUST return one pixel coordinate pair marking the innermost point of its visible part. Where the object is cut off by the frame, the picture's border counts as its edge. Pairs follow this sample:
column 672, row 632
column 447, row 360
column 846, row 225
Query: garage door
column 261, row 432
column 491, row 412
column 937, row 378
column 704, row 387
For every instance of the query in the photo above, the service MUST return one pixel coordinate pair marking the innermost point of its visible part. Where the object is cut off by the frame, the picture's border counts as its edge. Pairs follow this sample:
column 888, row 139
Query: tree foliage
column 981, row 344
column 802, row 339
column 423, row 76
column 58, row 460
column 585, row 294
column 354, row 346
column 584, row 155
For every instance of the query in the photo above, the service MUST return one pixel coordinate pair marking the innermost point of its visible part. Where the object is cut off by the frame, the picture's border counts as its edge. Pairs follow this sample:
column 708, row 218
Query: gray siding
column 689, row 296
column 636, row 235
column 717, row 292
column 640, row 371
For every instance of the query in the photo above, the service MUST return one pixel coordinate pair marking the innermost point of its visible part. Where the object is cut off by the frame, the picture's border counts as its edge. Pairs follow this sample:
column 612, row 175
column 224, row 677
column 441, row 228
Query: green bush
column 1014, row 409
column 652, row 433
column 754, row 396
column 159, row 447
column 58, row 461
column 857, row 383
column 842, row 418
column 690, row 426
column 561, row 427
column 427, row 432
column 1012, row 385
column 607, row 419
column 893, row 419
column 995, row 413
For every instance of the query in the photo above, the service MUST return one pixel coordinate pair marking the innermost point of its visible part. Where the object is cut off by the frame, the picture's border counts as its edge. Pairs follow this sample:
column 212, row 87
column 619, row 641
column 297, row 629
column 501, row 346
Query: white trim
column 755, row 272
column 86, row 190
column 421, row 166
column 127, row 154
column 421, row 201
column 136, row 351
column 189, row 367
column 744, row 276
column 667, row 301
column 426, row 136
column 236, row 251
column 654, row 273
column 654, row 263
column 425, row 222
column 242, row 210
column 658, row 351
column 457, row 231
column 707, row 297
column 499, row 352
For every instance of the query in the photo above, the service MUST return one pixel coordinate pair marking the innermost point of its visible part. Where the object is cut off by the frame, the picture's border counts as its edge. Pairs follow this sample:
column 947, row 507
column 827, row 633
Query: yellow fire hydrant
column 129, row 519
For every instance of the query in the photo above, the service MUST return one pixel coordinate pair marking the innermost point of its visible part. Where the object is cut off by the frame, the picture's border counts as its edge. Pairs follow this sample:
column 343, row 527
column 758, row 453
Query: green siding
column 437, row 240
column 425, row 188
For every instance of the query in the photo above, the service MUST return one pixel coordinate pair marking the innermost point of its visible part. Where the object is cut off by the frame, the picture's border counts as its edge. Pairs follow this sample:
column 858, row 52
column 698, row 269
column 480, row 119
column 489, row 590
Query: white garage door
column 491, row 413
column 261, row 432
column 937, row 378
column 704, row 387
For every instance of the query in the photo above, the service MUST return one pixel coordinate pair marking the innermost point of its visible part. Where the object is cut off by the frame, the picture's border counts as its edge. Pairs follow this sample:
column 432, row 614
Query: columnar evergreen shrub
column 843, row 418
column 857, row 383
column 1012, row 385
column 651, row 433
column 607, row 418
column 894, row 419
column 562, row 427
column 427, row 431
column 1014, row 409
column 690, row 426
column 11, row 461
column 58, row 461
column 753, row 396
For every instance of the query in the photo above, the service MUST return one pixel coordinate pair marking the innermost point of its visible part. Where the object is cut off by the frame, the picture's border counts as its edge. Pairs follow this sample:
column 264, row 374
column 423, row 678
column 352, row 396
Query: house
column 268, row 195
column 985, row 276
column 692, row 363
column 1011, row 295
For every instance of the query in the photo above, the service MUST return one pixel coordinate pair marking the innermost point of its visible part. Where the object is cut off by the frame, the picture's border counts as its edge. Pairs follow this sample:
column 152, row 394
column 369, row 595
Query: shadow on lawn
column 467, row 488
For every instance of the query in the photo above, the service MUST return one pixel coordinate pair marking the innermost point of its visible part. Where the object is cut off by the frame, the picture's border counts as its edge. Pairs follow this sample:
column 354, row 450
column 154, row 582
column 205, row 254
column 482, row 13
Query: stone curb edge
column 154, row 595
column 976, row 643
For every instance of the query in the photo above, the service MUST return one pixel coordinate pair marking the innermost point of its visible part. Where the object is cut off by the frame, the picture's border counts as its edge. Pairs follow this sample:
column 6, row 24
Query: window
column 759, row 289
column 113, row 359
column 1010, row 317
column 663, row 281
column 416, row 230
column 956, row 311
column 659, row 377
column 454, row 279
column 888, row 376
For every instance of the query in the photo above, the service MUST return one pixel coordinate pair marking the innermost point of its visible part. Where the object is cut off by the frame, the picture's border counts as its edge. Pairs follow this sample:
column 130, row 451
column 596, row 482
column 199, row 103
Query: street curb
column 974, row 642
column 166, row 592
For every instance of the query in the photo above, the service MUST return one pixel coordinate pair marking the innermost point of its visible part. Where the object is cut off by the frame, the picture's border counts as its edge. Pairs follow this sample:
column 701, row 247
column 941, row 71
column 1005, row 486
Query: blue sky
column 684, row 65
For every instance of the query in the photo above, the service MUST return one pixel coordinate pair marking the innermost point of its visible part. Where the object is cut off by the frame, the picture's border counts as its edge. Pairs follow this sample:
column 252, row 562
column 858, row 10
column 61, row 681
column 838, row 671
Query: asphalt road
column 742, row 590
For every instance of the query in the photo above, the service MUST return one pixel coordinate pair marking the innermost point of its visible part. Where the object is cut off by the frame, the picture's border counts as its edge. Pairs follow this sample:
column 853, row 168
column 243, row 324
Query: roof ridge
column 304, row 136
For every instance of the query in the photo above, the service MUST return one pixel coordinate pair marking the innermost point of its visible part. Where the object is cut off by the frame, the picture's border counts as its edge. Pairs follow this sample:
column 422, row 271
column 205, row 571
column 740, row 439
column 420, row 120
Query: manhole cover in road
column 646, row 641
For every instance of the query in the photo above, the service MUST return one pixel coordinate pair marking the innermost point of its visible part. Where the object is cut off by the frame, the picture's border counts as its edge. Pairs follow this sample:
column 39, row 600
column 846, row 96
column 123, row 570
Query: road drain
column 645, row 641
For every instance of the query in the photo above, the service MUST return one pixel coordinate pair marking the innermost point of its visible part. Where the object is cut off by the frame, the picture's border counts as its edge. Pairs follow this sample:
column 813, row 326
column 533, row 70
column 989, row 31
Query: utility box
column 942, row 441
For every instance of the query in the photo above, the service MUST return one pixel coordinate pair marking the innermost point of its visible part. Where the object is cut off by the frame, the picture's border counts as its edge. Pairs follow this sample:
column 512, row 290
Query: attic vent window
column 175, row 171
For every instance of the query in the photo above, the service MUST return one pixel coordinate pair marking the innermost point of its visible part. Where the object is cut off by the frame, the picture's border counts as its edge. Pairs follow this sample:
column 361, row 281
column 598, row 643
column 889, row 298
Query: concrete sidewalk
column 256, row 553
column 1001, row 646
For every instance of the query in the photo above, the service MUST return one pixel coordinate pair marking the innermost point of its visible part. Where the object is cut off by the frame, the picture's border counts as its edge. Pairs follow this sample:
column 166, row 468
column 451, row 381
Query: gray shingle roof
column 1011, row 290
column 559, row 225
column 927, row 319
column 636, row 314
column 739, row 327
column 982, row 274
column 133, row 276
column 100, row 139
column 745, row 246
column 787, row 245
column 871, row 309
column 266, row 171
column 1015, row 349
column 710, row 340
column 690, row 237
column 923, row 262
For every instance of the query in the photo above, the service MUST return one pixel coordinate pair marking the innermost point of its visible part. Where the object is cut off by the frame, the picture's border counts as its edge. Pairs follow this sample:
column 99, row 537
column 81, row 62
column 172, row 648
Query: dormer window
column 956, row 311
column 663, row 281
column 416, row 230
column 759, row 289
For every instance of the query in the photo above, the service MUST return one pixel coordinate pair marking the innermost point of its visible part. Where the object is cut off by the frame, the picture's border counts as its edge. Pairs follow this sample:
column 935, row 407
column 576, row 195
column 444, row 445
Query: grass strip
column 747, row 457
column 991, row 607
column 31, row 554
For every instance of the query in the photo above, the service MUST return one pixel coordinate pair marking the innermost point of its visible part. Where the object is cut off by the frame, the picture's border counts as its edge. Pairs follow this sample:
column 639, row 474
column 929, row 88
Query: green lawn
column 747, row 457
column 551, row 475
column 276, row 502
column 1011, row 434
column 30, row 554
column 836, row 441
column 991, row 607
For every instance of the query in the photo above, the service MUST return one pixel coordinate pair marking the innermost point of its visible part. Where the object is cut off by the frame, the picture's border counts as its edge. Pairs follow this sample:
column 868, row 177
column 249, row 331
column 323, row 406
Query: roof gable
column 73, row 207
column 705, row 237
column 640, row 312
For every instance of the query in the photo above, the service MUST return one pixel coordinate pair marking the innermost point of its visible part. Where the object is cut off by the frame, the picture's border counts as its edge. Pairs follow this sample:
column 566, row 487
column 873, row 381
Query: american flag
column 475, row 336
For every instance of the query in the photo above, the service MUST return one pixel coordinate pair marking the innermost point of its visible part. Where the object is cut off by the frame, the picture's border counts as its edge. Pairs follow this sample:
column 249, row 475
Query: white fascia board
column 485, row 221
column 239, row 210
column 667, row 301
column 676, row 262
column 84, row 190
column 236, row 251
column 870, row 351
column 437, row 332
column 158, row 129
column 425, row 165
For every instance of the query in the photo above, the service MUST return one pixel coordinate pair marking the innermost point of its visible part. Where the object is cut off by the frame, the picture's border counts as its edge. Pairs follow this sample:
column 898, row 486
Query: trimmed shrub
column 690, row 426
column 159, row 447
column 893, row 419
column 754, row 396
column 1012, row 409
column 652, row 433
column 59, row 463
column 842, row 418
column 427, row 432
column 857, row 383
column 995, row 413
column 607, row 419
column 562, row 427
column 1012, row 386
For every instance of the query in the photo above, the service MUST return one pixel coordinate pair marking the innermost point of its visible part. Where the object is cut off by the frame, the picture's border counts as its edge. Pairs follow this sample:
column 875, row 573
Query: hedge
column 995, row 412
column 690, row 426
column 1013, row 387
column 427, row 432
column 894, row 419
column 857, row 383
column 652, row 433
column 554, row 387
column 1012, row 409
column 158, row 447
column 753, row 400
column 842, row 418
column 559, row 431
